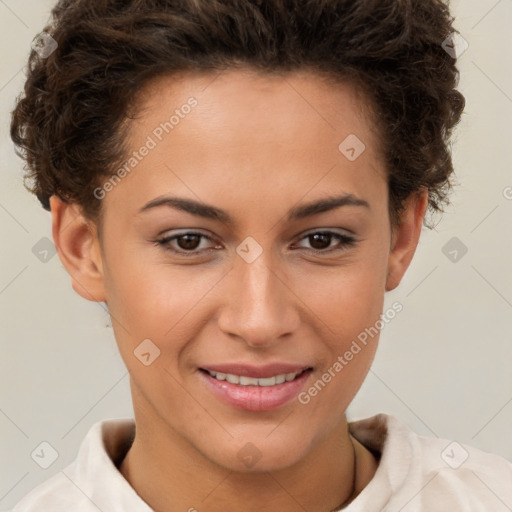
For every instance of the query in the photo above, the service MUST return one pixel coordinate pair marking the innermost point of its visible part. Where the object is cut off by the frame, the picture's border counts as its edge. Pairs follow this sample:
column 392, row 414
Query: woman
column 241, row 182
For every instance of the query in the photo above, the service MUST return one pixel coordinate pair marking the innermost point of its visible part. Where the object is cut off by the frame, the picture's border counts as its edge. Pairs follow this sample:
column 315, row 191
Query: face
column 214, row 252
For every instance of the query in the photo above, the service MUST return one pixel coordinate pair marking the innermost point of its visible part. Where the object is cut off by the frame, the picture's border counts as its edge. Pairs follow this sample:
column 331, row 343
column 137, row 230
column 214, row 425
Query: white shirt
column 415, row 473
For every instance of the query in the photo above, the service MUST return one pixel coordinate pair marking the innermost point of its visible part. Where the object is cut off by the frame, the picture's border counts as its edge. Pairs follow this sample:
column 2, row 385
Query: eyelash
column 346, row 242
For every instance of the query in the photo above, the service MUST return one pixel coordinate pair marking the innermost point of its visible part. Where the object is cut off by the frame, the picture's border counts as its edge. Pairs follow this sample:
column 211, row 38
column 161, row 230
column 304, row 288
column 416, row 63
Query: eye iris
column 191, row 241
column 320, row 237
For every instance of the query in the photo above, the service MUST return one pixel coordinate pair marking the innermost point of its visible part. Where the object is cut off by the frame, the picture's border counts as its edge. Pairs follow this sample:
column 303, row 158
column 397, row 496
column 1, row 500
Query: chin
column 254, row 454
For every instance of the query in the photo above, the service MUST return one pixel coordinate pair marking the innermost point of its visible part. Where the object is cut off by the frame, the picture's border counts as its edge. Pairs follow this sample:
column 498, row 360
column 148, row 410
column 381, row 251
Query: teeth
column 250, row 381
column 232, row 378
column 281, row 378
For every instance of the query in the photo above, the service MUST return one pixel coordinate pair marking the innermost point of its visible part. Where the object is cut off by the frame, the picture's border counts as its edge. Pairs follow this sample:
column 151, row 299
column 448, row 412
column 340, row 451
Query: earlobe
column 406, row 237
column 78, row 248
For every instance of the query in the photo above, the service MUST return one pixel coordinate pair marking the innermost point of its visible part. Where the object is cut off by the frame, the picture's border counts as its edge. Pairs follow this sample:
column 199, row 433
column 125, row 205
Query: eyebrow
column 298, row 212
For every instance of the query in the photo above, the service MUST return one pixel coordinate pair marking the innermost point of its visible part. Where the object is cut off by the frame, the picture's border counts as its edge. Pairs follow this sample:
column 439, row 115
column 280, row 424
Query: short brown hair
column 68, row 124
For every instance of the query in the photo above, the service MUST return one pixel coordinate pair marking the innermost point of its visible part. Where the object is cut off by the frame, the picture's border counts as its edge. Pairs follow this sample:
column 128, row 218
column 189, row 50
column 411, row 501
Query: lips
column 257, row 396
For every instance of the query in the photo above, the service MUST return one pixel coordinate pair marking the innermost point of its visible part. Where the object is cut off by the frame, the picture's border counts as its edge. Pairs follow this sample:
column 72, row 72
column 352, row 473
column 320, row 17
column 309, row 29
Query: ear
column 405, row 237
column 78, row 247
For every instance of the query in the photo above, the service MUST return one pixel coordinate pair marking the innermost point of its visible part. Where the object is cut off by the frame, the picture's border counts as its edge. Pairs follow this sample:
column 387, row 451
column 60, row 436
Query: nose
column 261, row 307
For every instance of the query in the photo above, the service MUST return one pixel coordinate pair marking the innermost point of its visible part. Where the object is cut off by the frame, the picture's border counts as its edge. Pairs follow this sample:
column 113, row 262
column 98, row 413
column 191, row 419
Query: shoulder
column 86, row 482
column 56, row 494
column 467, row 476
column 426, row 473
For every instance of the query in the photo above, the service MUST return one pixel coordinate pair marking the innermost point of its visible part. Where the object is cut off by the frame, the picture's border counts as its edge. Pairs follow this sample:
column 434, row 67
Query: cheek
column 350, row 330
column 349, row 301
column 347, row 297
column 156, row 301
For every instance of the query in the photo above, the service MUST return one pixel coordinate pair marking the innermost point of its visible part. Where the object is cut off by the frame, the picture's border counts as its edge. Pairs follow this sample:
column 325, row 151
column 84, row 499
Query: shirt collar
column 95, row 472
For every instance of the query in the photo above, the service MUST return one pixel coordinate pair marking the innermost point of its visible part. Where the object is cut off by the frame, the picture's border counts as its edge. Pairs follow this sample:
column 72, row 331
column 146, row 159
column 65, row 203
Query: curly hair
column 69, row 125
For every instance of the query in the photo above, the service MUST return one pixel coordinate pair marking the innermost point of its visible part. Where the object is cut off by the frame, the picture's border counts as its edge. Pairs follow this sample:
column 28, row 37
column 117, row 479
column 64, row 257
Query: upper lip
column 257, row 372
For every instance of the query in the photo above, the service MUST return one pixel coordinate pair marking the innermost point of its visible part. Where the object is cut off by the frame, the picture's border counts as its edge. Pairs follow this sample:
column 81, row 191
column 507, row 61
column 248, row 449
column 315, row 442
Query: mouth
column 254, row 393
column 243, row 380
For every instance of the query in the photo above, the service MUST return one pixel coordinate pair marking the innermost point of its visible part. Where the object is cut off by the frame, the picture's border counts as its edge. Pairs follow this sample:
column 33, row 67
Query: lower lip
column 256, row 398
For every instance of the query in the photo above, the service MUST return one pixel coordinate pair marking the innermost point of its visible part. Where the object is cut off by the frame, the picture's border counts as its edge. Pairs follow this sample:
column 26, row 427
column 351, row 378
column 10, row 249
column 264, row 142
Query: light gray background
column 443, row 365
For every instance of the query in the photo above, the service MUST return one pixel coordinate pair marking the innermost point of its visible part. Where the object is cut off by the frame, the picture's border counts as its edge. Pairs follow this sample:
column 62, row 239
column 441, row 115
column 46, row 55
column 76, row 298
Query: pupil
column 318, row 237
column 191, row 241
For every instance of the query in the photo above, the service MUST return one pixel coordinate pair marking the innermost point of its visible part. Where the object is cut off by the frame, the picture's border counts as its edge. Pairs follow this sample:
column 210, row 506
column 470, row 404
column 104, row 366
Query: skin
column 255, row 146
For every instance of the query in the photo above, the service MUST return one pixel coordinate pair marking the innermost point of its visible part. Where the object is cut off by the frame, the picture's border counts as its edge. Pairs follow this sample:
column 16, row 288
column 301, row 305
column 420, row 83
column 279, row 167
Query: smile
column 251, row 381
column 256, row 394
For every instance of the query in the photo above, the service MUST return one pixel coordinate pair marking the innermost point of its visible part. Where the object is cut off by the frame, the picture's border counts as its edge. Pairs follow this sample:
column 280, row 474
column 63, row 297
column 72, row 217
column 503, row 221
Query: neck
column 169, row 474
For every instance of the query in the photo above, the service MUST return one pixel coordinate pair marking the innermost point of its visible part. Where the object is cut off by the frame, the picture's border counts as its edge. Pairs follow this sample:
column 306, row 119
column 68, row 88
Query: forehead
column 278, row 135
column 232, row 95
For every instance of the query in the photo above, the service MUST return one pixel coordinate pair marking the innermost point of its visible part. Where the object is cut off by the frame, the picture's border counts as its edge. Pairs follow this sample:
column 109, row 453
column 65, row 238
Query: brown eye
column 321, row 241
column 188, row 242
